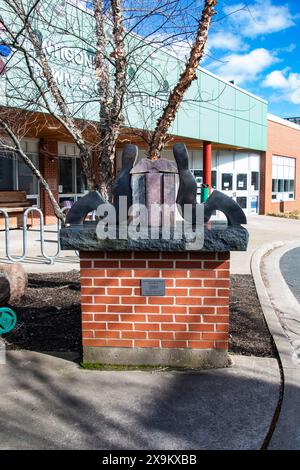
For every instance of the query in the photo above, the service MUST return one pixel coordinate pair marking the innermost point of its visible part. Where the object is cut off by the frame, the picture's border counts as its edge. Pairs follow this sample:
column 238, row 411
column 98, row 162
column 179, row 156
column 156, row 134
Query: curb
column 284, row 432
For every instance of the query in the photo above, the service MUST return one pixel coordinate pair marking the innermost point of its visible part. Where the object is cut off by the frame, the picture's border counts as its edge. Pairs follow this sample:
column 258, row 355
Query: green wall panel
column 242, row 133
column 212, row 110
column 209, row 125
column 226, row 128
column 242, row 106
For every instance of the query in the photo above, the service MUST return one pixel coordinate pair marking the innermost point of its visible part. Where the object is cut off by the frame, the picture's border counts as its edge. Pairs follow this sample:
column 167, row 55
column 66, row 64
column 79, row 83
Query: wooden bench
column 15, row 203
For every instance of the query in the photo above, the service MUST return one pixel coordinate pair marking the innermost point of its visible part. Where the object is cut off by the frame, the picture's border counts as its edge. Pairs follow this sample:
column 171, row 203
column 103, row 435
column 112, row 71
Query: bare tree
column 189, row 74
column 117, row 40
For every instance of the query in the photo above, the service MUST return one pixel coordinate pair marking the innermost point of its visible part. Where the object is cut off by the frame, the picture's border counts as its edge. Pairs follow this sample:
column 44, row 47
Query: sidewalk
column 50, row 403
column 35, row 263
column 282, row 313
column 262, row 229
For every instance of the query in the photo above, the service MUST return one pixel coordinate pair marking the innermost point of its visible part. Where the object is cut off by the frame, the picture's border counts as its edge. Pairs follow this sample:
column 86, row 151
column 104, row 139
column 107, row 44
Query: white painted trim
column 283, row 122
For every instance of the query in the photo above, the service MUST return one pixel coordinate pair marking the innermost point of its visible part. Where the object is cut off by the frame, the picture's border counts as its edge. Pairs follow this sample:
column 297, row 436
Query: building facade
column 280, row 167
column 232, row 144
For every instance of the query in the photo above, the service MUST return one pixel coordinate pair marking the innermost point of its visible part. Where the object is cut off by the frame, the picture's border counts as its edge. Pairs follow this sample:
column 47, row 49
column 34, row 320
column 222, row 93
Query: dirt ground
column 49, row 316
column 249, row 334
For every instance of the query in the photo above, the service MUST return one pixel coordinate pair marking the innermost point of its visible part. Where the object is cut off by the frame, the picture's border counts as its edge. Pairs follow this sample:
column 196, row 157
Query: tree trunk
column 86, row 158
column 164, row 123
column 111, row 101
column 106, row 163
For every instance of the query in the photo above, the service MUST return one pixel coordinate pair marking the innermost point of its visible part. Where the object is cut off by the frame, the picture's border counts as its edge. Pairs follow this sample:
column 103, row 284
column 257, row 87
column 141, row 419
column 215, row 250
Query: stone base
column 187, row 358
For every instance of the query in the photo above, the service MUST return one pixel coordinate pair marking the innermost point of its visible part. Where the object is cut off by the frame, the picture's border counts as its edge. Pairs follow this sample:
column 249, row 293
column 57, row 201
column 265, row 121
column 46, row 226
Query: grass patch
column 120, row 368
column 286, row 215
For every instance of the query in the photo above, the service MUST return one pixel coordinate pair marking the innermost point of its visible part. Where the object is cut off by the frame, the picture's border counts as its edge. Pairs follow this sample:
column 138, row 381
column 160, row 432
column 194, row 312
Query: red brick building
column 280, row 167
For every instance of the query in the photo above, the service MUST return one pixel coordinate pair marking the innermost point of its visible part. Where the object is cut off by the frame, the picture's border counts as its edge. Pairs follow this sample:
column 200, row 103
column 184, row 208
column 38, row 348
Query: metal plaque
column 153, row 287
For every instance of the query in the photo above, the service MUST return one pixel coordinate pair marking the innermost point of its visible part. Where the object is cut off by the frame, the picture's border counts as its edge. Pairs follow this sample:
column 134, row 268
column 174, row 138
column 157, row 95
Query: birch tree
column 122, row 37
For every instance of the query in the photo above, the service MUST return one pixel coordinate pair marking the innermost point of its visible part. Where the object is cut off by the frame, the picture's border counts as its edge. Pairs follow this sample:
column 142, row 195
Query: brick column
column 49, row 166
column 187, row 327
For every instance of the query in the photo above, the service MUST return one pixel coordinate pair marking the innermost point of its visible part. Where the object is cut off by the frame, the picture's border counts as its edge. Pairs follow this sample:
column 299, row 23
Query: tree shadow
column 49, row 403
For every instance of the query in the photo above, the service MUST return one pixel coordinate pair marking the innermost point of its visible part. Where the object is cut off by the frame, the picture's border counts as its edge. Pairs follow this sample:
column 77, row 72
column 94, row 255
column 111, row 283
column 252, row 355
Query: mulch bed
column 249, row 334
column 49, row 316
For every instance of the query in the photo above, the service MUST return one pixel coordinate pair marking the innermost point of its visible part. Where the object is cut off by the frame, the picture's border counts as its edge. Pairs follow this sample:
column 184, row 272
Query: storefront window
column 283, row 178
column 199, row 177
column 214, row 179
column 81, row 185
column 242, row 202
column 26, row 179
column 66, row 177
column 15, row 175
column 71, row 177
column 226, row 181
column 255, row 180
column 241, row 181
column 7, row 171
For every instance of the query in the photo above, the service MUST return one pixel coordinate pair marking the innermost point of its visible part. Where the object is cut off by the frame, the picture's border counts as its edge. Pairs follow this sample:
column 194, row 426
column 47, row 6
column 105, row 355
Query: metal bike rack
column 14, row 259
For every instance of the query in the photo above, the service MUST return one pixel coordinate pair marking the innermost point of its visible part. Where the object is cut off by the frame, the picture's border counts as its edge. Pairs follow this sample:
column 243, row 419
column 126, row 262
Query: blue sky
column 256, row 43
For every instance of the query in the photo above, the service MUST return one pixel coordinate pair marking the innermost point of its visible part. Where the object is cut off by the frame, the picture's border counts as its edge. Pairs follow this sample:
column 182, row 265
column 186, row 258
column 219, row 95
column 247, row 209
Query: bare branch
column 189, row 74
column 18, row 148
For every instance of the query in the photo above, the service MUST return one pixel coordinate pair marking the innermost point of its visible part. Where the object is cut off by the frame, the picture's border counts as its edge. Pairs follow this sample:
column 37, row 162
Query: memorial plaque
column 153, row 287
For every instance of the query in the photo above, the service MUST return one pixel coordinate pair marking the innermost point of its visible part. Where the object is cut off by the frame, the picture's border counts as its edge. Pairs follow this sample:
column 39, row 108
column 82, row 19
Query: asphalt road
column 290, row 269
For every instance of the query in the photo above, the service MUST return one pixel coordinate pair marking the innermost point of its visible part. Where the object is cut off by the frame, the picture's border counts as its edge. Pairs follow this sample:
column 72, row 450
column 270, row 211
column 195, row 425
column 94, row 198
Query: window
column 242, row 202
column 7, row 171
column 241, row 182
column 214, row 179
column 15, row 175
column 71, row 177
column 66, row 180
column 226, row 181
column 255, row 180
column 199, row 177
column 283, row 178
column 26, row 179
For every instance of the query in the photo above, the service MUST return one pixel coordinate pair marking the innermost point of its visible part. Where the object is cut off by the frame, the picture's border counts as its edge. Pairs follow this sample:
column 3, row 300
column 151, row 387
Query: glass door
column 227, row 183
column 27, row 181
column 72, row 182
column 254, row 192
column 241, row 191
column 235, row 185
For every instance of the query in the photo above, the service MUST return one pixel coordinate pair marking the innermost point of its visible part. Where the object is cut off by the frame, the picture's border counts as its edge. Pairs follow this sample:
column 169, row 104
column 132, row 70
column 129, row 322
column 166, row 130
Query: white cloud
column 259, row 18
column 245, row 67
column 225, row 41
column 287, row 85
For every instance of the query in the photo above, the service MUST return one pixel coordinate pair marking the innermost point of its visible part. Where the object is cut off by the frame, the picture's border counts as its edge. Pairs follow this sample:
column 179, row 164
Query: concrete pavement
column 262, row 229
column 282, row 313
column 34, row 262
column 50, row 403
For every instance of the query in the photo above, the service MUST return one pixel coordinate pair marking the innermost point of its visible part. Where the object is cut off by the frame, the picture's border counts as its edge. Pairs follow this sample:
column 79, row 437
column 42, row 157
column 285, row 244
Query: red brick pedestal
column 188, row 327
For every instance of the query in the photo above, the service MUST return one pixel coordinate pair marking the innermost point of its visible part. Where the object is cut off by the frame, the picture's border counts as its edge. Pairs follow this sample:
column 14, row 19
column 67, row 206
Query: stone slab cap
column 158, row 166
column 218, row 237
